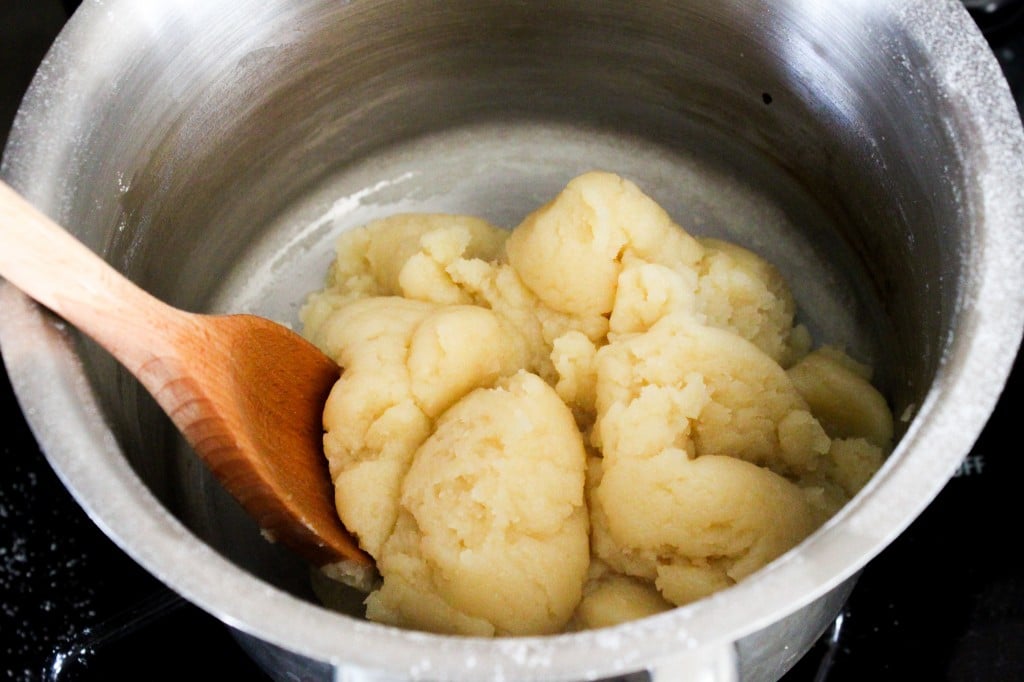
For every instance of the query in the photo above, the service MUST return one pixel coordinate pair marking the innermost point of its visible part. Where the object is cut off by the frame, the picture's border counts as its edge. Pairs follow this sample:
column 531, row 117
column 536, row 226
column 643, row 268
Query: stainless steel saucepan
column 214, row 150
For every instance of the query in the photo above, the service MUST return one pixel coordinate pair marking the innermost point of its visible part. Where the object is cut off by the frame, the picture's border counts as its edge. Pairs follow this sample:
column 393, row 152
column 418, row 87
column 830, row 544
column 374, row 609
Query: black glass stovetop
column 74, row 607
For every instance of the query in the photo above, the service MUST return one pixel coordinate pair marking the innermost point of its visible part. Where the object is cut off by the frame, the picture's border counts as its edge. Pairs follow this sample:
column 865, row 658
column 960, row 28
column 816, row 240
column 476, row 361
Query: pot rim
column 50, row 384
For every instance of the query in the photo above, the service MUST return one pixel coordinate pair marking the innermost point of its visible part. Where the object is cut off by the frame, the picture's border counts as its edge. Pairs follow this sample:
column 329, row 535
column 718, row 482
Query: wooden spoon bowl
column 248, row 394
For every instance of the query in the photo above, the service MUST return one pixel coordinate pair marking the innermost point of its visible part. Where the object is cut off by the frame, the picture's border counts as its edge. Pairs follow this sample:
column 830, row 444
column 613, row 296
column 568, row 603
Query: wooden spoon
column 247, row 394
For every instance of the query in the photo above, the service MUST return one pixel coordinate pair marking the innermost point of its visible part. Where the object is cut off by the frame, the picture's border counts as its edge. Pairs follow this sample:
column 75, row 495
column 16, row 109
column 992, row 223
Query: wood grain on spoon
column 247, row 394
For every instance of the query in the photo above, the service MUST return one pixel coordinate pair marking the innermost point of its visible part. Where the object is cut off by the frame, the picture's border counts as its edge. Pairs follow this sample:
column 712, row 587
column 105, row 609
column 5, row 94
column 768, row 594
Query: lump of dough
column 405, row 362
column 647, row 292
column 492, row 537
column 696, row 525
column 402, row 255
column 705, row 391
column 610, row 598
column 574, row 358
column 570, row 252
column 842, row 398
column 697, row 427
column 729, row 287
column 852, row 462
column 740, row 291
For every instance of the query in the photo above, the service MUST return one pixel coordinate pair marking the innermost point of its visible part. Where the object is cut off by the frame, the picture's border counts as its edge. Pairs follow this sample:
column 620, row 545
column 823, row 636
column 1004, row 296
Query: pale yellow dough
column 492, row 533
column 587, row 419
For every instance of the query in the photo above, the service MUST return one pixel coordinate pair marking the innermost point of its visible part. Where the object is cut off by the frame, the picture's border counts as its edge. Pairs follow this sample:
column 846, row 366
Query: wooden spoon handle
column 50, row 265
